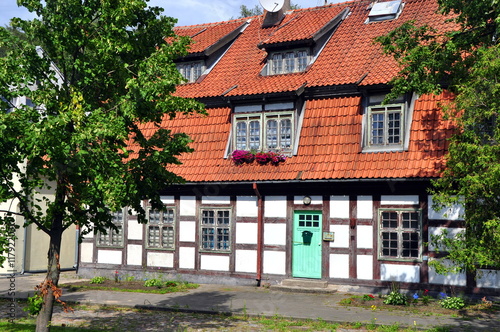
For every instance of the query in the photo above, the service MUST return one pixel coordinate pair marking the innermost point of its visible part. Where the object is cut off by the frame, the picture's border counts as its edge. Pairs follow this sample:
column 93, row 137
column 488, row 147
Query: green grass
column 177, row 287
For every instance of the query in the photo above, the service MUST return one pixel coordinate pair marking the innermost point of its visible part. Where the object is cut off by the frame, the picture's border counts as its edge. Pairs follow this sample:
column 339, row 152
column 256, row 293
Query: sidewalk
column 250, row 301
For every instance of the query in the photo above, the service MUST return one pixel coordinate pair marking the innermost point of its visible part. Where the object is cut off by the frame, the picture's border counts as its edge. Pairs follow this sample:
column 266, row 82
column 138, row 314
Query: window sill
column 402, row 260
column 377, row 149
column 218, row 252
column 160, row 249
column 109, row 247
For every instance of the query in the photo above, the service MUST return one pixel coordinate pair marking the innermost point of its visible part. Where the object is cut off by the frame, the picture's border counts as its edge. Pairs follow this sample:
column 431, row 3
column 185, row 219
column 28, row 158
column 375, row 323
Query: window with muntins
column 161, row 229
column 293, row 61
column 400, row 234
column 113, row 238
column 216, row 229
column 264, row 132
column 386, row 125
column 191, row 71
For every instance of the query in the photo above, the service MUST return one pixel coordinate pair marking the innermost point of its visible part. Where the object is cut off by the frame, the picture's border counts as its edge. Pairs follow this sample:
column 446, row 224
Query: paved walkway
column 250, row 301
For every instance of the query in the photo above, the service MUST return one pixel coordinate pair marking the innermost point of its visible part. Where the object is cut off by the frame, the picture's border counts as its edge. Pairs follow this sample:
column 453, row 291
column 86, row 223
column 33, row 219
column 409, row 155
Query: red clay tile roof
column 330, row 141
column 301, row 25
column 204, row 36
column 329, row 148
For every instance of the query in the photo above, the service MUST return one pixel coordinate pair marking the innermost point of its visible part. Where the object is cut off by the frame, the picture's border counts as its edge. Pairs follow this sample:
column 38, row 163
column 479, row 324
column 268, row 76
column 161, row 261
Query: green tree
column 18, row 33
column 464, row 59
column 103, row 70
column 246, row 12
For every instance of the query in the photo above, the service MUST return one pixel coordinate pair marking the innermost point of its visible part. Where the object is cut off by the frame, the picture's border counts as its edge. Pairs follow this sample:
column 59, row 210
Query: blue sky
column 187, row 12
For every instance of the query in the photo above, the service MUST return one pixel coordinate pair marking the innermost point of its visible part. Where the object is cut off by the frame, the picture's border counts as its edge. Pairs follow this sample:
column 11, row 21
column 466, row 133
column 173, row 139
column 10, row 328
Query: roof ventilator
column 383, row 11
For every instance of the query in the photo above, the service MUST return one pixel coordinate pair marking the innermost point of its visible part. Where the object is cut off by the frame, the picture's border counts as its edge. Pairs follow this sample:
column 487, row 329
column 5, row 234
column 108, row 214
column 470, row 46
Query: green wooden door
column 306, row 252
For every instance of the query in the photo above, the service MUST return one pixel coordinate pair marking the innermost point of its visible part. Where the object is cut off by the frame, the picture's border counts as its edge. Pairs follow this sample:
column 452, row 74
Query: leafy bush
column 154, row 283
column 172, row 283
column 426, row 299
column 345, row 301
column 396, row 298
column 98, row 280
column 34, row 304
column 368, row 297
column 455, row 303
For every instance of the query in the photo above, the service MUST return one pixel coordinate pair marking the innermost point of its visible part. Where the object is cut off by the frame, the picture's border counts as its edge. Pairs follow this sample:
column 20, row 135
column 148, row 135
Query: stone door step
column 305, row 286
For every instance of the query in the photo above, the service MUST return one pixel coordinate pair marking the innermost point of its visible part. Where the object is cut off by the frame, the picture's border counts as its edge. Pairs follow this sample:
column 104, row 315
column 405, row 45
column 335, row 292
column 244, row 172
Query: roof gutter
column 311, row 181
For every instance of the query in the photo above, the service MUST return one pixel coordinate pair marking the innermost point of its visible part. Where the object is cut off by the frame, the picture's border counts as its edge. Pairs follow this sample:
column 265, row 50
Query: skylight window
column 382, row 11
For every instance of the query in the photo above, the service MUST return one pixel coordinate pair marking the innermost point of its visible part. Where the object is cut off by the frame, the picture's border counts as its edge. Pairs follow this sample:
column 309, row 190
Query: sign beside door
column 307, row 244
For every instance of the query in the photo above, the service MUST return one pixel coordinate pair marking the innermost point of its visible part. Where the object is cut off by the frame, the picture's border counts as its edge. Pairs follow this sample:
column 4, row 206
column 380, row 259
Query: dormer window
column 271, row 128
column 288, row 62
column 191, row 71
column 387, row 125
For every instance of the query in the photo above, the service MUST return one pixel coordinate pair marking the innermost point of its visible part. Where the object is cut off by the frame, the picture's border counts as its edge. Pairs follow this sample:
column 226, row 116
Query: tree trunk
column 51, row 281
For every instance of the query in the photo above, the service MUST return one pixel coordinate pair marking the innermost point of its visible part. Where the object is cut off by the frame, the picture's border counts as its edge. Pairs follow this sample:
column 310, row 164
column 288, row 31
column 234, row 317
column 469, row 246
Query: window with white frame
column 161, row 229
column 113, row 237
column 191, row 70
column 292, row 61
column 400, row 234
column 215, row 229
column 386, row 125
column 264, row 131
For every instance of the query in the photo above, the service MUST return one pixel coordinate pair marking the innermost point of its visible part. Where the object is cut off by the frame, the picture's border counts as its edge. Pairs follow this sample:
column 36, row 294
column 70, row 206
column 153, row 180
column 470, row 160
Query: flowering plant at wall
column 240, row 157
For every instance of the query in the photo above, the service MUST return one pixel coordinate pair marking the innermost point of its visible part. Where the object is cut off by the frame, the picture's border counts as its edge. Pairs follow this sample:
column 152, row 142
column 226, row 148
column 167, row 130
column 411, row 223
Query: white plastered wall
column 187, row 257
column 246, row 206
column 134, row 254
column 454, row 279
column 214, row 263
column 246, row 233
column 452, row 213
column 160, row 259
column 274, row 262
column 400, row 273
column 339, row 207
column 109, row 257
column 246, row 261
column 364, row 267
column 365, row 207
column 275, row 207
column 488, row 279
column 339, row 266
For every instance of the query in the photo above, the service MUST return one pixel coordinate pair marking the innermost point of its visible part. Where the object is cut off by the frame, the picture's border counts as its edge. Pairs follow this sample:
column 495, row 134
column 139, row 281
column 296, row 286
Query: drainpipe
column 77, row 248
column 260, row 233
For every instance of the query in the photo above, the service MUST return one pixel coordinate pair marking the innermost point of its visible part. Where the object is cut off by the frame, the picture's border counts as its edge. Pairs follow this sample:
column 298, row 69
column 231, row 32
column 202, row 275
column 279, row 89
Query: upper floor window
column 191, row 70
column 387, row 126
column 113, row 238
column 400, row 234
column 161, row 229
column 267, row 130
column 288, row 62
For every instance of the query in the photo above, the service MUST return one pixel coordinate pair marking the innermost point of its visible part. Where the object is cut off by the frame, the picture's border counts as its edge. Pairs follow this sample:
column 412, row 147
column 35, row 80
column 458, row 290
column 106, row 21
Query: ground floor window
column 216, row 229
column 400, row 234
column 113, row 237
column 161, row 229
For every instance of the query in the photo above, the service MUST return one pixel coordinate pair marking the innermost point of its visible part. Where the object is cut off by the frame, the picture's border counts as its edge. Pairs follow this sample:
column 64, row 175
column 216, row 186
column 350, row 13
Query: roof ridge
column 213, row 24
